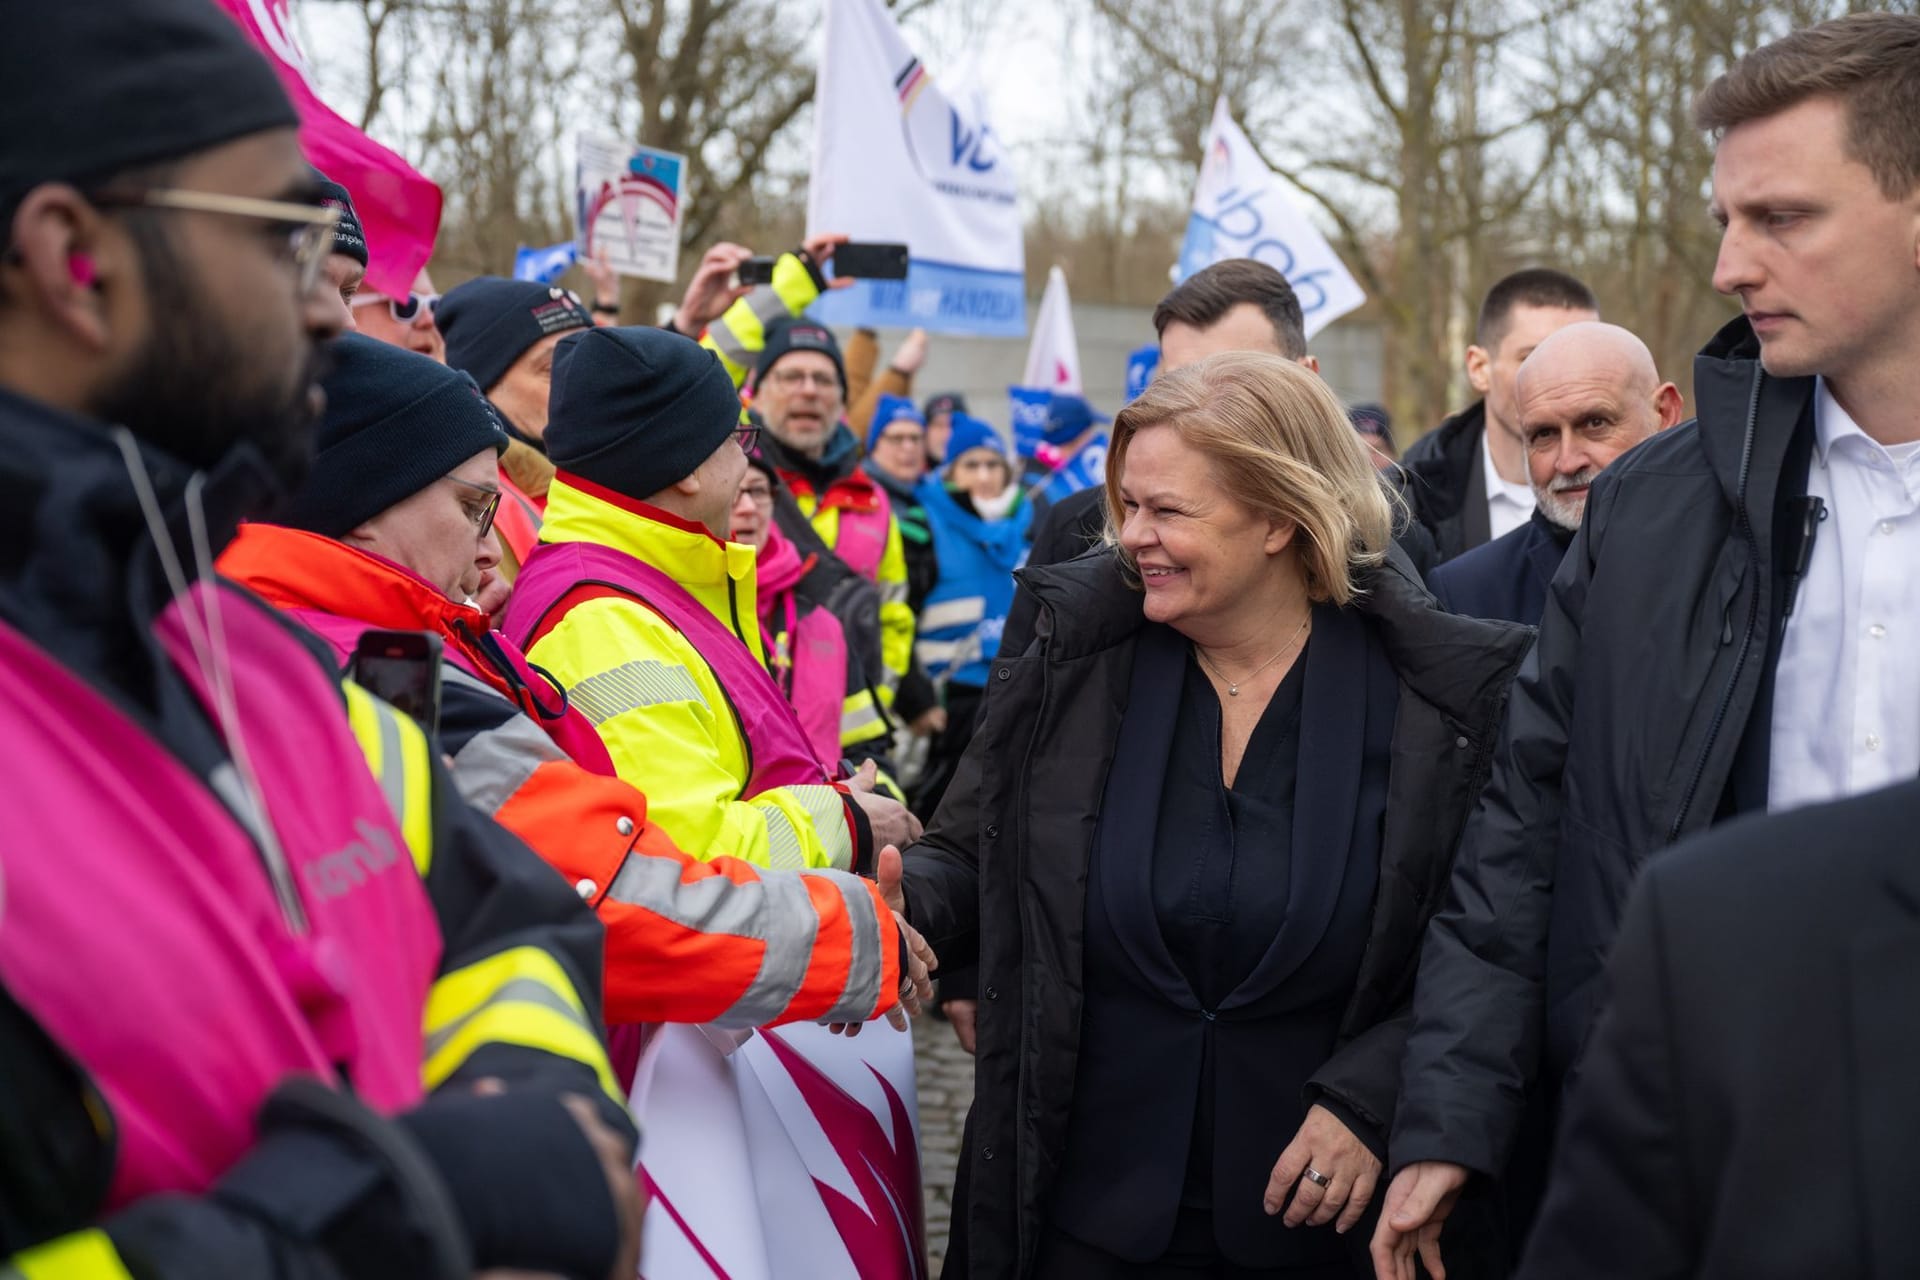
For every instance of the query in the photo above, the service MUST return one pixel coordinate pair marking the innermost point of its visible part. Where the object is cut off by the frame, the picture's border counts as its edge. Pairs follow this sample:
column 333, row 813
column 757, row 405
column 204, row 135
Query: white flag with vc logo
column 898, row 158
column 1241, row 210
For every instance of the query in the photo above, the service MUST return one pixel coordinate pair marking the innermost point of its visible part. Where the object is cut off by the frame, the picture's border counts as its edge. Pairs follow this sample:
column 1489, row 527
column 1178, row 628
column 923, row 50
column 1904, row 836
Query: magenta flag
column 399, row 208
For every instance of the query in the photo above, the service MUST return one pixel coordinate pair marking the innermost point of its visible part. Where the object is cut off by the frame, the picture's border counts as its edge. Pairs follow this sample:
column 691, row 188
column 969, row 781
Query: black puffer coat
column 1643, row 715
column 1002, row 872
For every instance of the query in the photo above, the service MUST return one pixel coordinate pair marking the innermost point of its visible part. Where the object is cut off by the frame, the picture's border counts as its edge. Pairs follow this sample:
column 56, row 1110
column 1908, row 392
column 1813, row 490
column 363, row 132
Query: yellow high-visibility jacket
column 658, row 705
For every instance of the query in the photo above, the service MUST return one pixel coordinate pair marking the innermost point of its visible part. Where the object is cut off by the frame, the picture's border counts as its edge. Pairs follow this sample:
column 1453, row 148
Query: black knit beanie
column 784, row 337
column 348, row 238
column 490, row 322
column 395, row 423
column 91, row 89
column 637, row 410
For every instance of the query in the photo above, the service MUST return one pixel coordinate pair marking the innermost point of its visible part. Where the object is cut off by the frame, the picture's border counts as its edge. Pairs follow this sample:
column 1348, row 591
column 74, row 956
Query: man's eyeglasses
column 404, row 310
column 308, row 229
column 792, row 379
column 482, row 517
column 748, row 435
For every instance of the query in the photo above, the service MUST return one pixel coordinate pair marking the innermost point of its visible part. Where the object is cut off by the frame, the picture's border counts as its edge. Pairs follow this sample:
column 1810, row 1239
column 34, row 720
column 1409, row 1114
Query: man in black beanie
column 285, row 1032
column 347, row 264
column 636, row 601
column 503, row 332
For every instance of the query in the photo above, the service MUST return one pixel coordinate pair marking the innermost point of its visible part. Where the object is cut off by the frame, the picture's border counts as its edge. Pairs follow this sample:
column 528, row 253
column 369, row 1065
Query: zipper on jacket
column 739, row 723
column 1753, row 610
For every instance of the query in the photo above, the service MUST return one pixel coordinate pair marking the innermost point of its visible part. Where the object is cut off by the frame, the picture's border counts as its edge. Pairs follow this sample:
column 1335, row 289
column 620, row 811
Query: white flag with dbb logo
column 1241, row 210
column 899, row 159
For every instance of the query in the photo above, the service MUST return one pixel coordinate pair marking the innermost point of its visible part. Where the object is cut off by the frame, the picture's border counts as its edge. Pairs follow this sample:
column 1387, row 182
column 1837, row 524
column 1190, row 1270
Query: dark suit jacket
column 1748, row 1102
column 1507, row 578
column 1148, row 1047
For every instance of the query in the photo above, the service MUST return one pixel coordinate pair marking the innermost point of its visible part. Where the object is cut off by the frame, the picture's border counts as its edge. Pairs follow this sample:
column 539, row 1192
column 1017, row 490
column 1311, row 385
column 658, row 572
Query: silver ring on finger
column 1317, row 1178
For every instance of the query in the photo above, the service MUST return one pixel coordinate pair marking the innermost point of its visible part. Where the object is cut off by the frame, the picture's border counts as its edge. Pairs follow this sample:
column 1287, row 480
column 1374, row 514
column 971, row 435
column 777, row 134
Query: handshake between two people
column 916, row 982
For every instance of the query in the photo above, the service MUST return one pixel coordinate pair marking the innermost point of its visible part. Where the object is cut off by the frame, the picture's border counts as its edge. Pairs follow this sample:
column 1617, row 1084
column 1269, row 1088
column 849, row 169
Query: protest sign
column 629, row 206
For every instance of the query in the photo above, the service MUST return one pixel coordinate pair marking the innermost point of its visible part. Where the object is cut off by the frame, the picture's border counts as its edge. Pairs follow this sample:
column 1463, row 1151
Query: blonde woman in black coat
column 1194, row 847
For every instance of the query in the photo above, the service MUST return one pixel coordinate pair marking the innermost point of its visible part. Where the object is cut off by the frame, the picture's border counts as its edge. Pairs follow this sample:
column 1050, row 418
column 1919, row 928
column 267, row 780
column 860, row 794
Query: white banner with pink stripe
column 787, row 1154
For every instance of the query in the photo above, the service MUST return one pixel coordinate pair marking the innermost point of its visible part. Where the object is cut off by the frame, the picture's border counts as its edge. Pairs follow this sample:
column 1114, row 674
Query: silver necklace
column 1233, row 686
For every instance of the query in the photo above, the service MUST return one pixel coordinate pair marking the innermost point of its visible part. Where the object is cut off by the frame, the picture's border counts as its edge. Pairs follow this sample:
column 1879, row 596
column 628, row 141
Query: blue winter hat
column 1068, row 416
column 395, row 422
column 970, row 432
column 888, row 410
column 489, row 322
column 637, row 410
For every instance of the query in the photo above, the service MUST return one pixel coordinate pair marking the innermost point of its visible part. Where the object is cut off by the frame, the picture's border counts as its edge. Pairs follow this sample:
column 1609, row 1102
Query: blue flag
column 543, row 266
column 1083, row 470
column 1030, row 408
column 1141, row 365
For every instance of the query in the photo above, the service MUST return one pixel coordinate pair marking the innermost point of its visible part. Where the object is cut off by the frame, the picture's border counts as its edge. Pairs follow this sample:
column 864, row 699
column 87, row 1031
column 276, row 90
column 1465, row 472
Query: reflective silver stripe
column 865, row 963
column 494, row 765
column 729, row 346
column 863, row 721
column 935, row 652
column 828, row 809
column 893, row 592
column 776, row 910
column 645, row 682
column 514, row 991
column 393, row 765
column 784, row 850
column 962, row 612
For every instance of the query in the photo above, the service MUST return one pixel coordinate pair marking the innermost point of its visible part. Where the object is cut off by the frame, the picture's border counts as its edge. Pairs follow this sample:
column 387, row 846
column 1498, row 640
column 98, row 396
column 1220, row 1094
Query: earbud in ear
column 80, row 267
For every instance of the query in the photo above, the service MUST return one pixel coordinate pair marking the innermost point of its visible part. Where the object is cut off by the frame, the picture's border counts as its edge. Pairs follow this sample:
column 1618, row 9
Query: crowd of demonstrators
column 1258, row 814
column 1466, row 480
column 286, row 1029
column 391, row 531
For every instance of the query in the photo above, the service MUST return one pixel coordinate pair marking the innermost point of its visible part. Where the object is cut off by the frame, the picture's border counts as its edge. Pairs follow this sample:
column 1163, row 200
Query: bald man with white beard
column 1586, row 395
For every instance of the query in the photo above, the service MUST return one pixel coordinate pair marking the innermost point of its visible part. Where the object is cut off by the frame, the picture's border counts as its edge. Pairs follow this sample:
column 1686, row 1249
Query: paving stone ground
column 944, row 1073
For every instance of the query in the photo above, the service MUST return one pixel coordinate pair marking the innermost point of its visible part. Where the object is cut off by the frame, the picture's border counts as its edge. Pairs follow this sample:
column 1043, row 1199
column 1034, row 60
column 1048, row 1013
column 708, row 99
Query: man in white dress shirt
column 1736, row 627
column 1466, row 480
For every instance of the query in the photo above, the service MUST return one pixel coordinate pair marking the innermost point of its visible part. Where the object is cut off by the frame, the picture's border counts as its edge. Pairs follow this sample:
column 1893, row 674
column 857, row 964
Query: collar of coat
column 295, row 569
column 1460, row 665
column 80, row 571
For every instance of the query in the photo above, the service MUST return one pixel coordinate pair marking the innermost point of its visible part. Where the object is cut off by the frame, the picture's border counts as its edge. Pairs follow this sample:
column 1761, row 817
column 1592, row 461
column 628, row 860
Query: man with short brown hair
column 1466, row 480
column 1733, row 628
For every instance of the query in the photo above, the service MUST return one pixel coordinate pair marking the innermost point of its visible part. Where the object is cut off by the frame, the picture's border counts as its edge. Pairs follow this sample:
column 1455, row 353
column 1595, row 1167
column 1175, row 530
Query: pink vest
column 806, row 646
column 140, row 927
column 781, row 753
column 862, row 540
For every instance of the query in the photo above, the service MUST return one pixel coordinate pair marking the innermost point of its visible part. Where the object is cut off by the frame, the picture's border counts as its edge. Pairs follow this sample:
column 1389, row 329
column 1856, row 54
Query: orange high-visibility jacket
column 689, row 939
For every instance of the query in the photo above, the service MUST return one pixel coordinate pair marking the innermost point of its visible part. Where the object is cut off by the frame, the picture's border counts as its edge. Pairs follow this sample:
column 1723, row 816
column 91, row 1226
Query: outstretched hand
column 1418, row 1202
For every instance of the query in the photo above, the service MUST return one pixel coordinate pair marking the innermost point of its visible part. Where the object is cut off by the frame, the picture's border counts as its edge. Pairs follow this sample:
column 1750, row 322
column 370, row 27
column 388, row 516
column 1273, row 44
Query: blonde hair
column 1280, row 444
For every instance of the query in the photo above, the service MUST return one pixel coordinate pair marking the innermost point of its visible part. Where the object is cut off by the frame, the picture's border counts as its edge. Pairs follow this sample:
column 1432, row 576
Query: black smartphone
column 872, row 261
column 401, row 668
column 756, row 270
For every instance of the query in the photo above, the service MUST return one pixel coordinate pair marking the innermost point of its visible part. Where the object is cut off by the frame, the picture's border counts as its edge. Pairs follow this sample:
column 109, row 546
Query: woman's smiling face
column 1201, row 554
